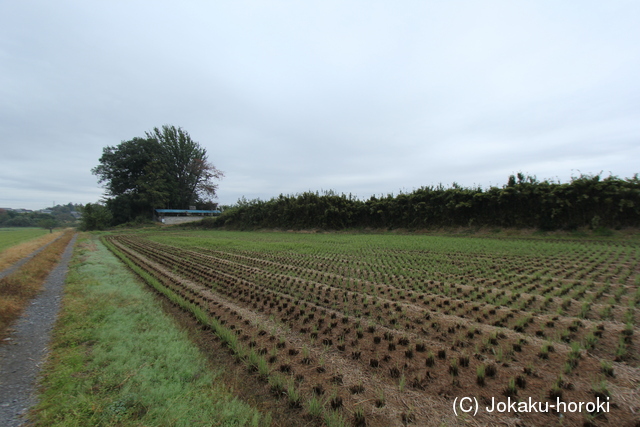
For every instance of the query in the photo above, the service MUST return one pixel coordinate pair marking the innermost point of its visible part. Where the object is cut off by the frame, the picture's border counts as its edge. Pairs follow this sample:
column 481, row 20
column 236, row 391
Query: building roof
column 186, row 211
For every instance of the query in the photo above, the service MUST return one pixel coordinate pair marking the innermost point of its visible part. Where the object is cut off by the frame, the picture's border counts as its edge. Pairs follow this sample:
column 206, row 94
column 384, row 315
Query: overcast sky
column 362, row 97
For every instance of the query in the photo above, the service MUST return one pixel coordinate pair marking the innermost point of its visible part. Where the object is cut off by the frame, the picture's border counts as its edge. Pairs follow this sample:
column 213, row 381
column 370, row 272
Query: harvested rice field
column 386, row 329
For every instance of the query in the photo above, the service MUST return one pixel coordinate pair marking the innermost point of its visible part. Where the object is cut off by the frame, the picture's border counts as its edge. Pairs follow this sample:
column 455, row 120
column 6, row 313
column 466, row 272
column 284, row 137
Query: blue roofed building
column 180, row 216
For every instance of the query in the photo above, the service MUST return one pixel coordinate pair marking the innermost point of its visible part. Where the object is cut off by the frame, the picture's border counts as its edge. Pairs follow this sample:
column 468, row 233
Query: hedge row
column 524, row 201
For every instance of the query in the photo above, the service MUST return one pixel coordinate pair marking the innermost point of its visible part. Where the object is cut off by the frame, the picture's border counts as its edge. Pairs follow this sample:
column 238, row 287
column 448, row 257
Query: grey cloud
column 361, row 97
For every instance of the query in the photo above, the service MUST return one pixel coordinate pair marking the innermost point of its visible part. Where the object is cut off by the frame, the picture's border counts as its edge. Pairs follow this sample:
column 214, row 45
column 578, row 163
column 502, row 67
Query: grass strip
column 118, row 359
column 13, row 236
column 18, row 288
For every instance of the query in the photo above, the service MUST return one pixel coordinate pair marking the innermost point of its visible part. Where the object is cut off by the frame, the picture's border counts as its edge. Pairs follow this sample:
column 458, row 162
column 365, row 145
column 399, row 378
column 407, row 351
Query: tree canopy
column 165, row 169
column 94, row 217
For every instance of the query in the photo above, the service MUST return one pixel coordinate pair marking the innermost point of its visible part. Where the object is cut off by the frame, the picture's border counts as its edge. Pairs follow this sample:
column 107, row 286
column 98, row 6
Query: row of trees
column 588, row 200
column 165, row 169
column 59, row 215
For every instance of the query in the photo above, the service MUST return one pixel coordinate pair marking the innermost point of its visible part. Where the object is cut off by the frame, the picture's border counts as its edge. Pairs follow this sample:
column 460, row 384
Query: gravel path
column 23, row 352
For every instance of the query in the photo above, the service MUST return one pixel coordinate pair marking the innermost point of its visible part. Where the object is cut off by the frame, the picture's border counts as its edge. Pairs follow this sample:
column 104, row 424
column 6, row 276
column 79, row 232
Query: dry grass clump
column 17, row 289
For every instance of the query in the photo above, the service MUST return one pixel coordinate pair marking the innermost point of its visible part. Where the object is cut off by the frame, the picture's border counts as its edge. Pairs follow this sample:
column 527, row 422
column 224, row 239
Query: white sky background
column 365, row 97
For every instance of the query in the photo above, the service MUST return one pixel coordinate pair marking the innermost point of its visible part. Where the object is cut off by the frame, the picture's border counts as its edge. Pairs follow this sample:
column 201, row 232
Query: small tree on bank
column 49, row 224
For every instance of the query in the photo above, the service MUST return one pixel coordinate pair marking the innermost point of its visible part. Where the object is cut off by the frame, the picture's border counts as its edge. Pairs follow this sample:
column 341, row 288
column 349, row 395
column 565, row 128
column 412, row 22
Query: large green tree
column 122, row 168
column 166, row 169
column 188, row 173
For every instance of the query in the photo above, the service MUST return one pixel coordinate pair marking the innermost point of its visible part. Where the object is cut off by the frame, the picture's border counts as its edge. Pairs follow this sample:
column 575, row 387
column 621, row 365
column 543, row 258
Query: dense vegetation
column 588, row 200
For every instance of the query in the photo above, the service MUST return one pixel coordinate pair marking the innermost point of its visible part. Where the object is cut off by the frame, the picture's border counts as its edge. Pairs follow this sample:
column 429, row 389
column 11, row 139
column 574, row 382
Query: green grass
column 12, row 236
column 117, row 359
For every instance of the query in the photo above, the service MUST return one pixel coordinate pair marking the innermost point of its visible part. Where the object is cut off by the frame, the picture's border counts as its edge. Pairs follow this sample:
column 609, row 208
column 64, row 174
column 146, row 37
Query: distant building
column 180, row 216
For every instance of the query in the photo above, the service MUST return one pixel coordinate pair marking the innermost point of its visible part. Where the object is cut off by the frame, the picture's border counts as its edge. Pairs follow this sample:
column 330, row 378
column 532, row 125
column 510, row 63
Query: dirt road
column 22, row 354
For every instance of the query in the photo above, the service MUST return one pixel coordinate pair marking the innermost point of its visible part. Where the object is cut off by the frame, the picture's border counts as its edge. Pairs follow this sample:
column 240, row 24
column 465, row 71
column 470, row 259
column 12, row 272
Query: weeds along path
column 22, row 354
column 18, row 288
column 378, row 346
